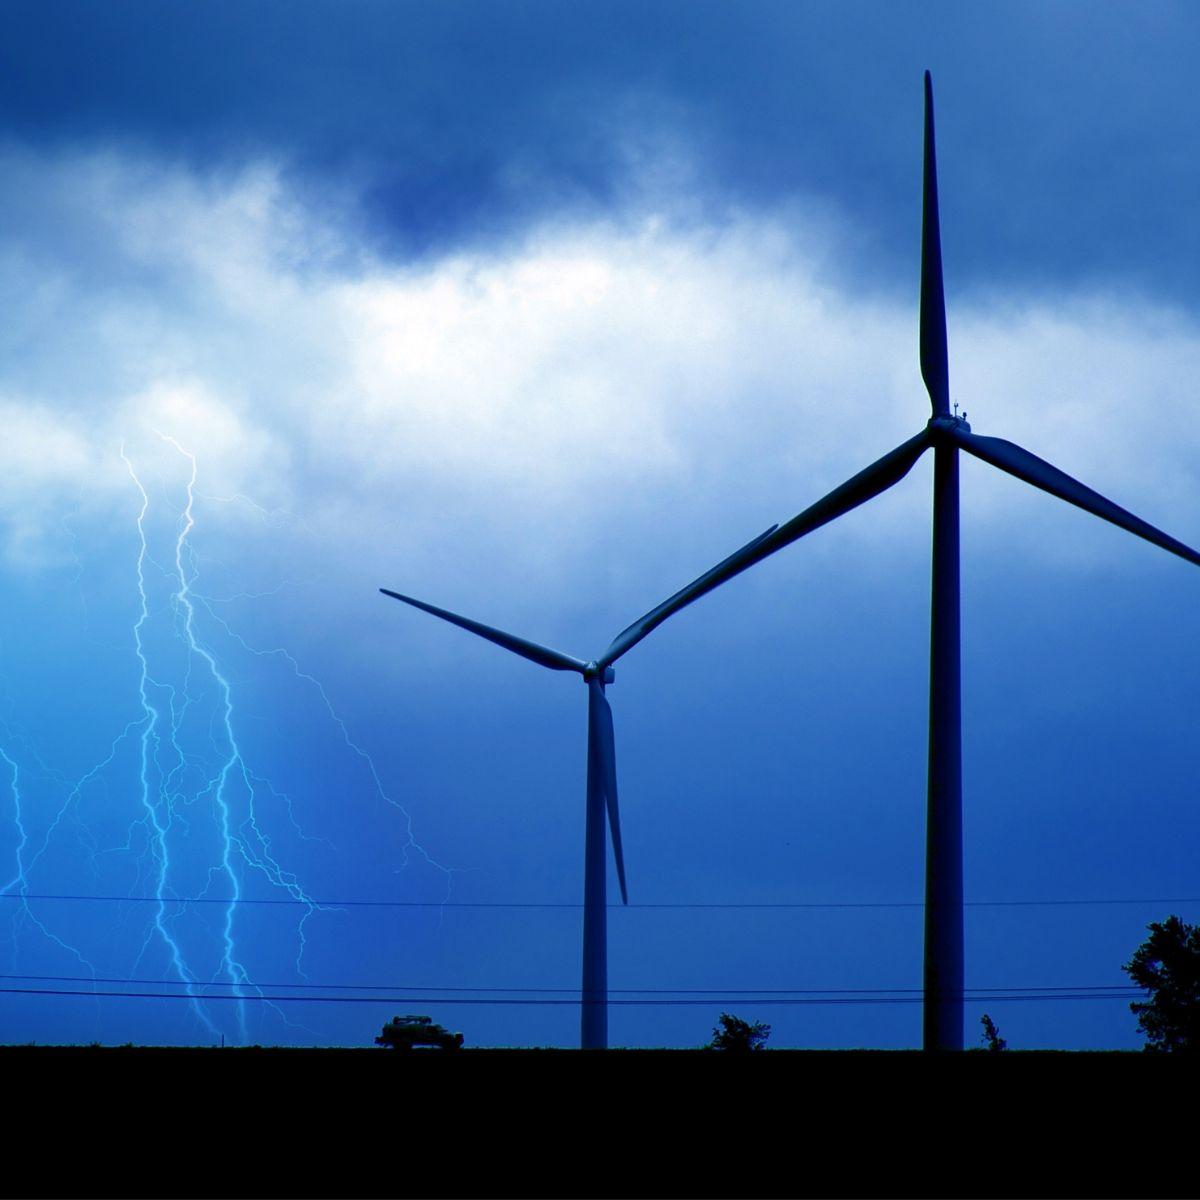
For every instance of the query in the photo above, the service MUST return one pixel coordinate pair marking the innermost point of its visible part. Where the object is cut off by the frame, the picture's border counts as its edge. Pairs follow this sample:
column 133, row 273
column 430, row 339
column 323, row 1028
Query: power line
column 532, row 904
column 478, row 1001
column 976, row 992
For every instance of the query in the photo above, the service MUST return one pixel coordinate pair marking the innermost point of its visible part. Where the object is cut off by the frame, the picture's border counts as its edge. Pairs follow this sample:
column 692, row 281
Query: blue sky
column 535, row 311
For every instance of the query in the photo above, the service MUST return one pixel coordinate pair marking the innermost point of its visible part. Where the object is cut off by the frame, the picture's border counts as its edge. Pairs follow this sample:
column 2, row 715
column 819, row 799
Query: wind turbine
column 601, row 786
column 946, row 434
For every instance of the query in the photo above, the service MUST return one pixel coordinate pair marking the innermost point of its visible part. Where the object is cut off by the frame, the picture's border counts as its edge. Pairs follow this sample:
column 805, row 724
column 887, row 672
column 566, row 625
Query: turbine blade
column 882, row 474
column 935, row 368
column 876, row 478
column 600, row 714
column 542, row 655
column 632, row 634
column 1029, row 468
column 867, row 484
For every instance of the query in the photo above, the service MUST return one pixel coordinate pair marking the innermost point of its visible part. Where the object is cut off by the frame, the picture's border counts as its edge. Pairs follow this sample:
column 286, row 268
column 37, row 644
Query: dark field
column 372, row 1122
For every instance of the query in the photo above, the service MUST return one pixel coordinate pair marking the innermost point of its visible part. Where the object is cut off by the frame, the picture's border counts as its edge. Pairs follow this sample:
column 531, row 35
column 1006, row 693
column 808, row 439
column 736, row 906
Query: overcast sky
column 536, row 311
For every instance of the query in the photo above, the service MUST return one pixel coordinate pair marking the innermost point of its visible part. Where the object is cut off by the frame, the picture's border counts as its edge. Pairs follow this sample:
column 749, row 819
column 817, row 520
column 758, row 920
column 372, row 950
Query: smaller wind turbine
column 601, row 785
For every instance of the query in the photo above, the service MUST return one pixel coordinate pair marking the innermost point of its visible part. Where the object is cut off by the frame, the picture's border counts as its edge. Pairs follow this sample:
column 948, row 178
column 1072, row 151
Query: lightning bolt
column 200, row 828
column 19, row 883
column 155, row 801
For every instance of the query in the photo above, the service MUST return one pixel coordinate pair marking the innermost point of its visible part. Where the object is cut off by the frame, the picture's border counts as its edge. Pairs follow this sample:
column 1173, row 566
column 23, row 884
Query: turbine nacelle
column 604, row 675
column 946, row 423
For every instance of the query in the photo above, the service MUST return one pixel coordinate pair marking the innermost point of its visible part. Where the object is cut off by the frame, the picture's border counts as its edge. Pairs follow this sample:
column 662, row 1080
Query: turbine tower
column 601, row 786
column 946, row 433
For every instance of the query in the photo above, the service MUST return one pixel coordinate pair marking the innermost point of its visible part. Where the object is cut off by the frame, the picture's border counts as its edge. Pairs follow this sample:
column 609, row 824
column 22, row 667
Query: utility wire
column 246, row 900
column 474, row 1001
column 976, row 992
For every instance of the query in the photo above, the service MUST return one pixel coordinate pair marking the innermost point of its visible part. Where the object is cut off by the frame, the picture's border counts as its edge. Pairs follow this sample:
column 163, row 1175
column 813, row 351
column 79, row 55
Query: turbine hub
column 946, row 421
column 592, row 671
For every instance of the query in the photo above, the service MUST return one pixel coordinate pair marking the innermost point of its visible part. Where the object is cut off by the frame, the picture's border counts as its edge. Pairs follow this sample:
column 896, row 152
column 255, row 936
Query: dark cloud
column 1064, row 130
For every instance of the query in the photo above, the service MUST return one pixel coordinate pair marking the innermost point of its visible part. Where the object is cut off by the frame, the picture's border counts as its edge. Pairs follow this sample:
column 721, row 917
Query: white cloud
column 682, row 381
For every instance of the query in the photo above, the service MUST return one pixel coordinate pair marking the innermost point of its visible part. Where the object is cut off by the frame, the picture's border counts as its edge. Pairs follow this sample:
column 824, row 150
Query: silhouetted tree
column 404, row 1033
column 991, row 1034
column 1167, row 965
column 737, row 1035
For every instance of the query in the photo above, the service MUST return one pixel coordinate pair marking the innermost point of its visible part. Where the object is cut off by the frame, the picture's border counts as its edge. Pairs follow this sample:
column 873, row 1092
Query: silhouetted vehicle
column 406, row 1033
